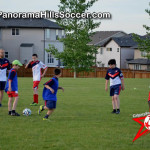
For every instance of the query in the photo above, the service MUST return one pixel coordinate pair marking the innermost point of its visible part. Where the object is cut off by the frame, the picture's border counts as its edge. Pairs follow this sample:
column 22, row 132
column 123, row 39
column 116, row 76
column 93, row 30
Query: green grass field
column 82, row 120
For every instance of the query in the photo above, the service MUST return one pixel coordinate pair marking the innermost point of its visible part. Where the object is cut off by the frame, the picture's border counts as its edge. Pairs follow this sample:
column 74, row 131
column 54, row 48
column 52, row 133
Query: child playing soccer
column 50, row 94
column 36, row 66
column 12, row 88
column 116, row 84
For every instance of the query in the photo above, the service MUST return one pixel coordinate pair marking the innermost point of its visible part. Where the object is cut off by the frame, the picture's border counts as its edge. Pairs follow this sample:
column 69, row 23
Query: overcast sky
column 127, row 15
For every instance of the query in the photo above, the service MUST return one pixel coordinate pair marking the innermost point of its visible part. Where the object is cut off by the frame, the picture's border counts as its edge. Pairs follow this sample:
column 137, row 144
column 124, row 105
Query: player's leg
column 35, row 93
column 2, row 87
column 14, row 113
column 1, row 96
column 117, row 90
column 113, row 100
column 9, row 105
column 149, row 105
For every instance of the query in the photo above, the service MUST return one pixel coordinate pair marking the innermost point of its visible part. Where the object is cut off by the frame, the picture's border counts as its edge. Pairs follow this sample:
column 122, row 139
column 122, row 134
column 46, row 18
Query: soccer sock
column 149, row 96
column 46, row 116
column 118, row 109
column 9, row 112
column 35, row 96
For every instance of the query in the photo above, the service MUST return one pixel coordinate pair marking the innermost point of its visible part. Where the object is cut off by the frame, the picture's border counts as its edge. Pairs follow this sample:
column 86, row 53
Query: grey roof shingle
column 100, row 36
column 28, row 23
column 139, row 61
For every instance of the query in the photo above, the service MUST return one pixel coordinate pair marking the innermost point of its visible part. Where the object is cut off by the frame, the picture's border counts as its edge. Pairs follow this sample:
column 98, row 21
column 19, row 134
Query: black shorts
column 50, row 104
column 2, row 85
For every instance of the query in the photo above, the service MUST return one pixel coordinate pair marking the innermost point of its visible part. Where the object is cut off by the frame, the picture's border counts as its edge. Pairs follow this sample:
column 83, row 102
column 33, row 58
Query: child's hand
column 52, row 91
column 62, row 89
column 106, row 88
column 122, row 88
column 9, row 89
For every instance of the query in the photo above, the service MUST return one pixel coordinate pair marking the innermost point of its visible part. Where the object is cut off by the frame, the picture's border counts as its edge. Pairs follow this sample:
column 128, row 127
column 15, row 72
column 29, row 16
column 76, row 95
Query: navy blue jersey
column 4, row 66
column 115, row 75
column 47, row 94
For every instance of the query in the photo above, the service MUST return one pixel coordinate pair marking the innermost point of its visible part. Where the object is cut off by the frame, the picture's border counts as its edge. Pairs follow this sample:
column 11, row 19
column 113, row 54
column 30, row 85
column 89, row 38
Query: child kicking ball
column 50, row 94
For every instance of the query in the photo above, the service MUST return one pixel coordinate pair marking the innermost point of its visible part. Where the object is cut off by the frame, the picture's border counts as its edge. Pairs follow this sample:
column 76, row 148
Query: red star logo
column 140, row 133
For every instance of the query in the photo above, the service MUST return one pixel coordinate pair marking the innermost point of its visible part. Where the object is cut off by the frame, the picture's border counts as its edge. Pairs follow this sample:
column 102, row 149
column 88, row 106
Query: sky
column 127, row 15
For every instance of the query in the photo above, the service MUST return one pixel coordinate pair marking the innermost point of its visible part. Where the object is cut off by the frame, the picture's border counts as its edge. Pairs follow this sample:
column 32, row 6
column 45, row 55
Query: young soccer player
column 4, row 66
column 50, row 94
column 36, row 66
column 12, row 88
column 116, row 84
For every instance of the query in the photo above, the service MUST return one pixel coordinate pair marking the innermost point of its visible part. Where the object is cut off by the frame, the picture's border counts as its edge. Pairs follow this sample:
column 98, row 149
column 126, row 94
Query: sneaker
column 118, row 112
column 0, row 105
column 45, row 118
column 40, row 109
column 113, row 112
column 33, row 104
column 14, row 114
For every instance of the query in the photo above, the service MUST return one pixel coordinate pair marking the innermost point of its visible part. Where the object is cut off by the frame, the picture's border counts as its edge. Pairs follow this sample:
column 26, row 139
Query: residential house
column 119, row 48
column 140, row 61
column 20, row 38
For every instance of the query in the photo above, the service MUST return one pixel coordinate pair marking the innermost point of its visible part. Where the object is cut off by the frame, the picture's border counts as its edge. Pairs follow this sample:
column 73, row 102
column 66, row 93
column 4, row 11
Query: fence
column 97, row 73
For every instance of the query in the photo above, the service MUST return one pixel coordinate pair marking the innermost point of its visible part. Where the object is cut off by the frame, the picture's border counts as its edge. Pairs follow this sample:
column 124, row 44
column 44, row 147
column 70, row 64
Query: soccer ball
column 26, row 112
column 147, row 122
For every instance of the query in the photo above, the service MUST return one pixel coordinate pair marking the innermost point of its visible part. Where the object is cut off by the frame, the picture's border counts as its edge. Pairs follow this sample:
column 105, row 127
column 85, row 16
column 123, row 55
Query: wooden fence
column 97, row 73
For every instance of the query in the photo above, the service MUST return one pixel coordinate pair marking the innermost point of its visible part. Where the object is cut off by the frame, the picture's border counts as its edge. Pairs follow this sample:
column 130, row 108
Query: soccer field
column 82, row 120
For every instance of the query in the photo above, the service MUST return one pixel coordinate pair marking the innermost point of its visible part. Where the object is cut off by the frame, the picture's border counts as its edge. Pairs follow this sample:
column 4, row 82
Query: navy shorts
column 50, row 104
column 2, row 85
column 115, row 90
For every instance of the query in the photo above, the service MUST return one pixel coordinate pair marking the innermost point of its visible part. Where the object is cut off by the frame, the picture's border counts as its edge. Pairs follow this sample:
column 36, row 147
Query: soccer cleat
column 0, row 105
column 14, row 114
column 45, row 118
column 33, row 104
column 113, row 112
column 40, row 109
column 118, row 112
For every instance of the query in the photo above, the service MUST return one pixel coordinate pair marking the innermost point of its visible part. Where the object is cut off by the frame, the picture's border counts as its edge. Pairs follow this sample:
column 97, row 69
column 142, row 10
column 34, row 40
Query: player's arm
column 45, row 70
column 48, row 87
column 49, row 84
column 12, row 75
column 106, row 85
column 9, row 88
column 28, row 64
column 122, row 80
column 61, row 88
column 107, row 80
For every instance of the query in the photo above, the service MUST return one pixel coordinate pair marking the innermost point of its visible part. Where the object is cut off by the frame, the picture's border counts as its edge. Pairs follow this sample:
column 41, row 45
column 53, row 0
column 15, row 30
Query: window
column 0, row 33
column 15, row 31
column 109, row 49
column 143, row 54
column 50, row 58
column 118, row 49
column 47, row 33
column 101, row 51
column 137, row 67
column 6, row 54
column 57, row 37
column 63, row 33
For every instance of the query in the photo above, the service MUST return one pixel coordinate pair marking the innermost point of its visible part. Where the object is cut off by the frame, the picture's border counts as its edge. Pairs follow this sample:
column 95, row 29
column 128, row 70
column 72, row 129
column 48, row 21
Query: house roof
column 140, row 61
column 26, row 44
column 28, row 23
column 124, row 41
column 101, row 36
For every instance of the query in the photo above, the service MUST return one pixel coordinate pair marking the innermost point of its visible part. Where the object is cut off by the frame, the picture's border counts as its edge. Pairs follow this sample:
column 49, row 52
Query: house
column 119, row 48
column 20, row 38
column 140, row 61
column 100, row 37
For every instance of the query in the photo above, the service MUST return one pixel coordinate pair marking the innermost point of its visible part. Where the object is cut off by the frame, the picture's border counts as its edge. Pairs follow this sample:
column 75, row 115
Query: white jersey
column 36, row 69
column 4, row 66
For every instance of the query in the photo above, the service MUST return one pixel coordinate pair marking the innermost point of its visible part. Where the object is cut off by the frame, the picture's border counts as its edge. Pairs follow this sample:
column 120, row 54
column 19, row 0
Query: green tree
column 144, row 42
column 77, row 54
